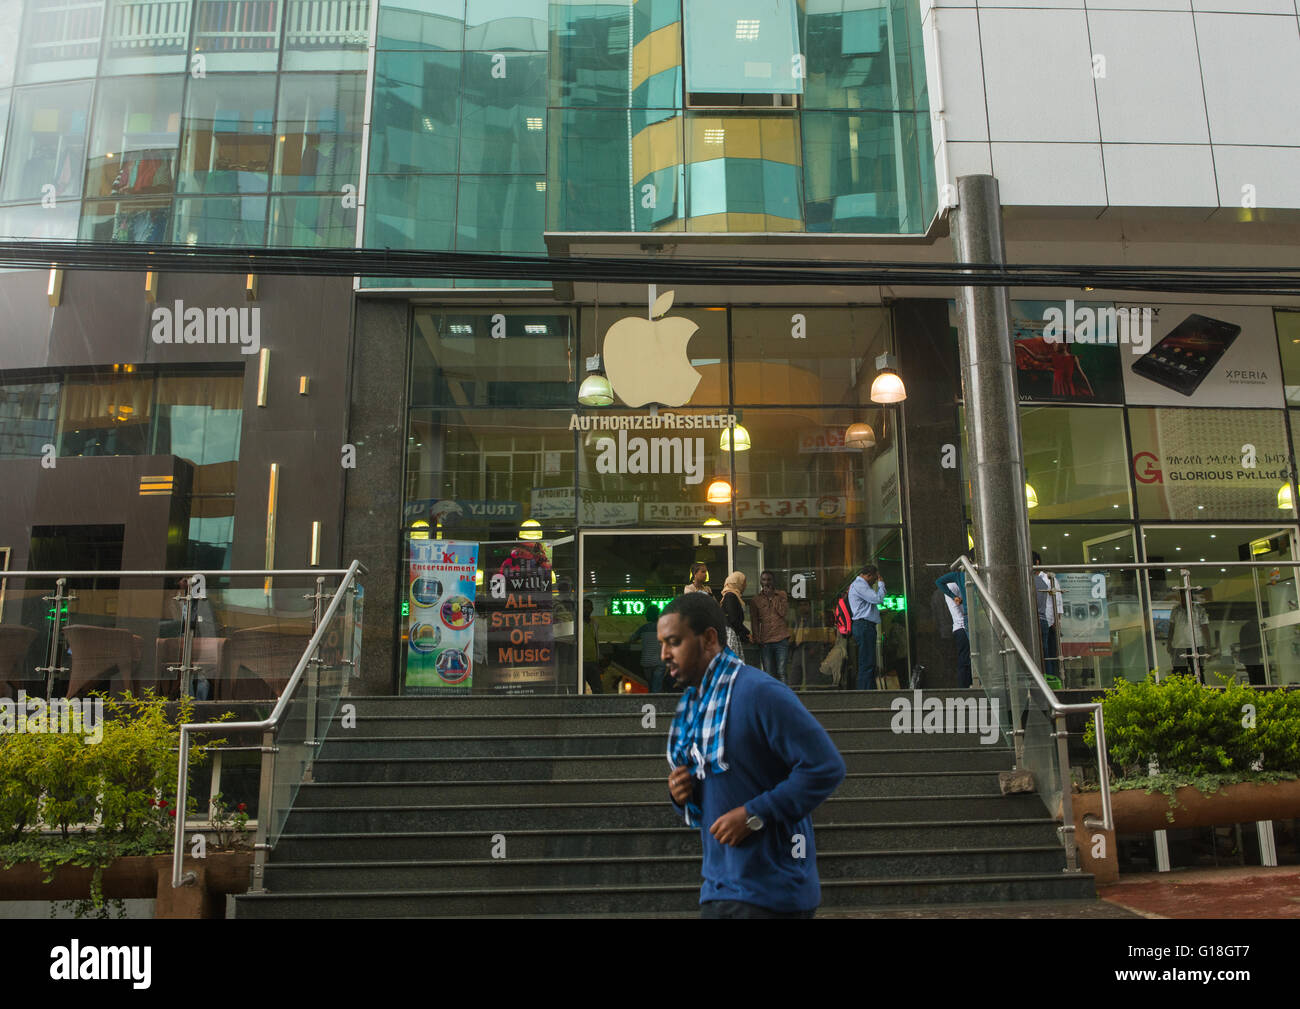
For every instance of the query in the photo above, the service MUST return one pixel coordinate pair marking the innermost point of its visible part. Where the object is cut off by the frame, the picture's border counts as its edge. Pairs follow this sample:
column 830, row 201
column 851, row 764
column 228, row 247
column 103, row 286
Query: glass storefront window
column 503, row 119
column 60, row 39
column 416, row 117
column 28, row 412
column 147, row 37
column 318, row 132
column 706, row 350
column 590, row 52
column 228, row 135
column 1288, row 343
column 11, row 16
column 46, row 146
column 134, row 138
column 457, row 361
column 146, row 221
column 36, row 222
column 4, row 121
column 807, row 356
column 1210, row 464
column 799, row 468
column 308, row 222
column 1076, row 462
column 850, row 48
column 106, row 415
column 421, row 24
column 220, row 220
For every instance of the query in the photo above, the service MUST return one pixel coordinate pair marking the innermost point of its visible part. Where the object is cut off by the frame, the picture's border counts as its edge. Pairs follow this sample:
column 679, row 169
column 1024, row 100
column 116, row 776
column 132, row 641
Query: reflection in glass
column 312, row 222
column 416, row 116
column 220, row 220
column 421, row 24
column 238, row 34
column 326, row 34
column 28, row 411
column 862, row 172
column 500, row 213
column 410, row 211
column 145, row 221
column 318, row 142
column 503, row 120
column 11, row 16
column 590, row 55
column 4, row 120
column 46, row 142
column 147, row 37
column 228, row 134
column 106, row 415
column 36, row 222
column 60, row 39
column 135, row 136
column 706, row 350
column 504, row 25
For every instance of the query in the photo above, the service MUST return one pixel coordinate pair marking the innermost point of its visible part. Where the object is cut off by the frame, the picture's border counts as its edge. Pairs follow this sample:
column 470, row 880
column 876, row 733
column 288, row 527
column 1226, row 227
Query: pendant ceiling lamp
column 887, row 387
column 719, row 492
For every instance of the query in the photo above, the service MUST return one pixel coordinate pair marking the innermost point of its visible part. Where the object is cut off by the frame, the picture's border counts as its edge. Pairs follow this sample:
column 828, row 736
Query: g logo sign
column 1146, row 468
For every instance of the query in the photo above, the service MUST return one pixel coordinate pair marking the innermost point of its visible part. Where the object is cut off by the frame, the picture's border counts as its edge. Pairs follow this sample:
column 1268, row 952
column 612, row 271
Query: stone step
column 342, row 745
column 305, row 819
column 344, row 794
column 683, row 899
column 648, row 841
column 521, row 873
column 984, row 758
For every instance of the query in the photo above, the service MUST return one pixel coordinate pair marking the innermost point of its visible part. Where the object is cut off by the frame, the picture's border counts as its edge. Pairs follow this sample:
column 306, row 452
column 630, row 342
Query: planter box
column 1136, row 812
column 146, row 876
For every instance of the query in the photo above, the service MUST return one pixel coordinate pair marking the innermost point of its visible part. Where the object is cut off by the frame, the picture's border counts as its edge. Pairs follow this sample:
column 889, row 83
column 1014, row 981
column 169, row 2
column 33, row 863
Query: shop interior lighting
column 1031, row 496
column 715, row 136
column 461, row 329
column 740, row 439
column 536, row 329
column 715, row 537
column 719, row 492
column 887, row 387
column 530, row 530
column 1285, row 502
column 860, row 435
column 747, row 29
column 534, row 123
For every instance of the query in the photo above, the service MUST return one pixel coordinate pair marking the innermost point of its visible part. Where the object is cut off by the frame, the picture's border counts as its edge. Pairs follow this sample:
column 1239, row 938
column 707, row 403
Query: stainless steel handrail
column 270, row 724
column 1058, row 707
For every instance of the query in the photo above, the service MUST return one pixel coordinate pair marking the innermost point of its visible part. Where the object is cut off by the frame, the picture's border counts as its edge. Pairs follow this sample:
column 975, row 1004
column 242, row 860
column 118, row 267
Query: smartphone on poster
column 1183, row 359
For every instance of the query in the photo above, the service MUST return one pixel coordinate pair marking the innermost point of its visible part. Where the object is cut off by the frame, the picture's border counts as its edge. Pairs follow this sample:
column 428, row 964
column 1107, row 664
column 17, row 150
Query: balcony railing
column 149, row 26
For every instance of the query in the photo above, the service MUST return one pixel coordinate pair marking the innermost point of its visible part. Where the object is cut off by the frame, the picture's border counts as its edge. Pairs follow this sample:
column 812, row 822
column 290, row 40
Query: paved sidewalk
column 1250, row 891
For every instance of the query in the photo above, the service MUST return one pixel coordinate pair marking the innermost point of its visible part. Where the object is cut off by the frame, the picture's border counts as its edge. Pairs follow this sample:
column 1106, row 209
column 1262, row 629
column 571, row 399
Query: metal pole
column 993, row 457
column 265, row 813
column 1190, row 613
column 187, row 640
column 1067, row 802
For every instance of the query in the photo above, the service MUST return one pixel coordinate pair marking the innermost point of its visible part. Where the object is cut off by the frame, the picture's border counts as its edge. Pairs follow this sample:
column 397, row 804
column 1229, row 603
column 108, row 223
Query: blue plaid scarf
column 696, row 738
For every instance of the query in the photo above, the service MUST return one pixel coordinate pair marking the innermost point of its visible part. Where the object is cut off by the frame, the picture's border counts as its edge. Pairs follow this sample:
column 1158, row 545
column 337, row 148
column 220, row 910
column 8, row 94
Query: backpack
column 843, row 616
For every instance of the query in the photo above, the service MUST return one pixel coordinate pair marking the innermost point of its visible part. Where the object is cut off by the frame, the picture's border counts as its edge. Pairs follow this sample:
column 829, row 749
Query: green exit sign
column 406, row 607
column 894, row 603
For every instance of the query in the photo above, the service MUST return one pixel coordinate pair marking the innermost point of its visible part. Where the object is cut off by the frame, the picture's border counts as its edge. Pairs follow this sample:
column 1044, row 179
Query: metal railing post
column 1062, row 736
column 187, row 640
column 265, row 812
column 56, row 629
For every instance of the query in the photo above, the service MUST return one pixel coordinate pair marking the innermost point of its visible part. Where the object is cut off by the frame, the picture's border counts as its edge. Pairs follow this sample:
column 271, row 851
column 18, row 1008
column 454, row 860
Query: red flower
column 171, row 812
column 162, row 803
column 242, row 808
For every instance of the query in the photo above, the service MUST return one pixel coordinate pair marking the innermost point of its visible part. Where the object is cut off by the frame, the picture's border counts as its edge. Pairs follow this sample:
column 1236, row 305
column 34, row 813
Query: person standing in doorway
column 590, row 648
column 865, row 596
column 733, row 608
column 749, row 766
column 771, row 631
column 1048, row 590
column 699, row 579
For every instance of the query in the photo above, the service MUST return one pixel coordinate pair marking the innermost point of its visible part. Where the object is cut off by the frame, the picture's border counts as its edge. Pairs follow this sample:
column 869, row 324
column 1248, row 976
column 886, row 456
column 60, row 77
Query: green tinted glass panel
column 220, row 220
column 739, row 47
column 862, row 172
column 421, row 24
column 318, row 132
column 505, row 25
column 503, row 119
column 588, row 187
column 312, row 222
column 590, row 50
column 410, row 212
column 416, row 113
column 500, row 213
column 850, row 61
column 651, row 15
column 27, row 418
column 1076, row 459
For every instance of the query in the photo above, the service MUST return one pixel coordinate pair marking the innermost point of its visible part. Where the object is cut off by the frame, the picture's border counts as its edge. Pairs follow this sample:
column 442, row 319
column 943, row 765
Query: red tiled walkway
column 1238, row 892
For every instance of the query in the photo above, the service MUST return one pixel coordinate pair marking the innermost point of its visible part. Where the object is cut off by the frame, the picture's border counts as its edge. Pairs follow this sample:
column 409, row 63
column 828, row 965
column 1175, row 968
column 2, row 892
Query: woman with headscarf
column 733, row 608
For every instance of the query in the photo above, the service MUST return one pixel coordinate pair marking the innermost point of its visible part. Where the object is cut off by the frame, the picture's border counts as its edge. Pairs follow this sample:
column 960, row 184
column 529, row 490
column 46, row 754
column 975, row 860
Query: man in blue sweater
column 750, row 765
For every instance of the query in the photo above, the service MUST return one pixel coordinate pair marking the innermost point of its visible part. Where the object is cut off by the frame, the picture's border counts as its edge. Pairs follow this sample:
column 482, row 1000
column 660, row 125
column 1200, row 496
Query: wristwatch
column 754, row 823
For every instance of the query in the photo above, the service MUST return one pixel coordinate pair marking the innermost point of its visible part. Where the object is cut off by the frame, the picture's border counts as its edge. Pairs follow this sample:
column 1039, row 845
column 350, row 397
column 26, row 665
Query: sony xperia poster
column 1202, row 355
column 1067, row 351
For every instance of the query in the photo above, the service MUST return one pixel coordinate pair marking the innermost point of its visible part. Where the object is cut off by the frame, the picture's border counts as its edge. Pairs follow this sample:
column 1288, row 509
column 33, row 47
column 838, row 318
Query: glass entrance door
column 626, row 578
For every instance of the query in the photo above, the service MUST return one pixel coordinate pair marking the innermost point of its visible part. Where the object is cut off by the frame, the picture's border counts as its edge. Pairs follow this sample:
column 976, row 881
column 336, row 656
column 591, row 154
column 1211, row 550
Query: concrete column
column 993, row 454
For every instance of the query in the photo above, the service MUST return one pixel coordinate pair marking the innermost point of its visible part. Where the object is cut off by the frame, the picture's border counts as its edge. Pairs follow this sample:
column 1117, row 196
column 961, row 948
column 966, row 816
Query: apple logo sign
column 646, row 361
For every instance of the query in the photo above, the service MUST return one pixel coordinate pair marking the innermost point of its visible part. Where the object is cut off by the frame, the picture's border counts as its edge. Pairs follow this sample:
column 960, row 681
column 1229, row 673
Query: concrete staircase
column 407, row 810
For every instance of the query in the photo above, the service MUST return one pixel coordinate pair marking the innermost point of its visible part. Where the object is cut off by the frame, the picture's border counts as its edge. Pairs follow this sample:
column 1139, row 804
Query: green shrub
column 1191, row 731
